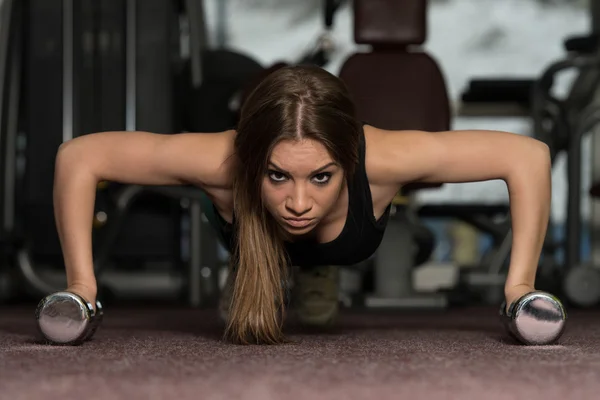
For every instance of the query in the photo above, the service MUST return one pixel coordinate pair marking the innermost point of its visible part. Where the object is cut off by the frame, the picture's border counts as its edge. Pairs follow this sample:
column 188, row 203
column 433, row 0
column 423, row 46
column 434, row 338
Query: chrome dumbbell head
column 537, row 318
column 64, row 318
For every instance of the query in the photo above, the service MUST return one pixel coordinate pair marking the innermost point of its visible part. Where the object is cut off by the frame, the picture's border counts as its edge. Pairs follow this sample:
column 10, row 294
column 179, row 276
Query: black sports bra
column 359, row 239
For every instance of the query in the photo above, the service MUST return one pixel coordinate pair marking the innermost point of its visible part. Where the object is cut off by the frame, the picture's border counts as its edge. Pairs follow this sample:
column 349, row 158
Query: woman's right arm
column 126, row 157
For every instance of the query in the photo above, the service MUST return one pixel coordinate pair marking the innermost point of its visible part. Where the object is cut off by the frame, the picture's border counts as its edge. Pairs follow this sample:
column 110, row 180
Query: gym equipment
column 406, row 245
column 222, row 79
column 499, row 91
column 497, row 97
column 65, row 318
column 68, row 106
column 198, row 282
column 140, row 96
column 320, row 54
column 537, row 318
column 485, row 282
column 397, row 65
column 10, row 41
column 212, row 80
column 505, row 98
column 46, row 79
column 129, row 83
column 253, row 83
column 214, row 105
column 582, row 285
column 562, row 124
column 11, row 14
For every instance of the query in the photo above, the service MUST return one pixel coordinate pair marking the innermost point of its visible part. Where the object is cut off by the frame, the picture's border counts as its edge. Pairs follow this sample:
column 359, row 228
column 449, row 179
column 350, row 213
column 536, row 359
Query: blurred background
column 69, row 68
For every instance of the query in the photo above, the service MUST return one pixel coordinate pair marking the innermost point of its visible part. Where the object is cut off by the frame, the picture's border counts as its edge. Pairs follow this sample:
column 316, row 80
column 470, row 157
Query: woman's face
column 302, row 184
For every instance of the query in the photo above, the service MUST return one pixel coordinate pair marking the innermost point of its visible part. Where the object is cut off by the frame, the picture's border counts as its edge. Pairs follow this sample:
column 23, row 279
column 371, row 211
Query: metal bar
column 595, row 15
column 131, row 66
column 123, row 202
column 5, row 25
column 6, row 9
column 198, row 38
column 393, row 263
column 195, row 264
column 12, row 130
column 594, row 7
column 594, row 221
column 68, row 60
column 501, row 255
column 221, row 34
column 150, row 283
column 542, row 94
column 589, row 120
column 573, row 229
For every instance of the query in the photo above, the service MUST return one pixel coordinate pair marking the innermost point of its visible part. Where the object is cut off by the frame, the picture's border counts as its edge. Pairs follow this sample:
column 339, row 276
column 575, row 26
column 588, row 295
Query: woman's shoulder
column 221, row 156
column 382, row 152
column 375, row 142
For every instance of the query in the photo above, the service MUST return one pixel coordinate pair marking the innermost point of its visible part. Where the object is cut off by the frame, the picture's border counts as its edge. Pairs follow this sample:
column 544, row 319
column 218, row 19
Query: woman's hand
column 514, row 293
column 88, row 292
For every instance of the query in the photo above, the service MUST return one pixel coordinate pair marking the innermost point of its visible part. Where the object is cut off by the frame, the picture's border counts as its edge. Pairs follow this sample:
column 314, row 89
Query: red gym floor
column 140, row 353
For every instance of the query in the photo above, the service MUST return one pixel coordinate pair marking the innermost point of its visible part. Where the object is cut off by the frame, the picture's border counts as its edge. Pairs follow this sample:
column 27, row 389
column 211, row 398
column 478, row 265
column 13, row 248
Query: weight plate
column 582, row 286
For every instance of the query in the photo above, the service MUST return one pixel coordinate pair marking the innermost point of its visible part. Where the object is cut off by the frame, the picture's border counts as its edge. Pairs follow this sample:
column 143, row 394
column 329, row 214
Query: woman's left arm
column 472, row 156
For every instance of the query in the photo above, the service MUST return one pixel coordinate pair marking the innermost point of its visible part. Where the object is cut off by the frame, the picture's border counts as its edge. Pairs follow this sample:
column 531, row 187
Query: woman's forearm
column 529, row 186
column 74, row 196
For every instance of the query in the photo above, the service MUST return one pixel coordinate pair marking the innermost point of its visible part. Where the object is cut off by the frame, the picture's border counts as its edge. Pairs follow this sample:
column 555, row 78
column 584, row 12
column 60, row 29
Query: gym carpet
column 173, row 353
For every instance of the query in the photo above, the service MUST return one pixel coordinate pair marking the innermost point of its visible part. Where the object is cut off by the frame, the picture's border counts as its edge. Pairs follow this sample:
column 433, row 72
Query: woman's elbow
column 72, row 156
column 535, row 158
column 69, row 148
column 541, row 153
column 528, row 156
column 68, row 153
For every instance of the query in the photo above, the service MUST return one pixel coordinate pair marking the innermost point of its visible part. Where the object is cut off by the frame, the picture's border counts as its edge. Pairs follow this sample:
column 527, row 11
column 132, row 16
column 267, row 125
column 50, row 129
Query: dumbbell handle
column 506, row 313
column 96, row 320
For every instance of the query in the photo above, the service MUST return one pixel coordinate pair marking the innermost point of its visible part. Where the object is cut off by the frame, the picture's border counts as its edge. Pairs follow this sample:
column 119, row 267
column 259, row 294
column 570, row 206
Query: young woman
column 300, row 182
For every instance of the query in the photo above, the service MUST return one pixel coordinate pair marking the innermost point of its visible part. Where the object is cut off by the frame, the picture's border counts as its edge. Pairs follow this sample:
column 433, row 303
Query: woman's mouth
column 298, row 222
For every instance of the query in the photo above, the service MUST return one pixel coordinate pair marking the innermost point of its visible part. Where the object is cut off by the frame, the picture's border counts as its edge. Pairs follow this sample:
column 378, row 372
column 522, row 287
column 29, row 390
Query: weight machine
column 103, row 76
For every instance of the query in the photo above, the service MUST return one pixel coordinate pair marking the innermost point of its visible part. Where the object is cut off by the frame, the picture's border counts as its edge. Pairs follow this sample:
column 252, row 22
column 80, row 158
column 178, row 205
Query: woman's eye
column 276, row 176
column 322, row 178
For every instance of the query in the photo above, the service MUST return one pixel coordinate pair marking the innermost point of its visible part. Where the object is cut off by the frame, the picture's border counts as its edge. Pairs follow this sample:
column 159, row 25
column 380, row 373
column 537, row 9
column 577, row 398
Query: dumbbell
column 537, row 318
column 68, row 319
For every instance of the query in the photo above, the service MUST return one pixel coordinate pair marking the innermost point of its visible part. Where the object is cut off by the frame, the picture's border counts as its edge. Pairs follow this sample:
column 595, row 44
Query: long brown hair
column 292, row 103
